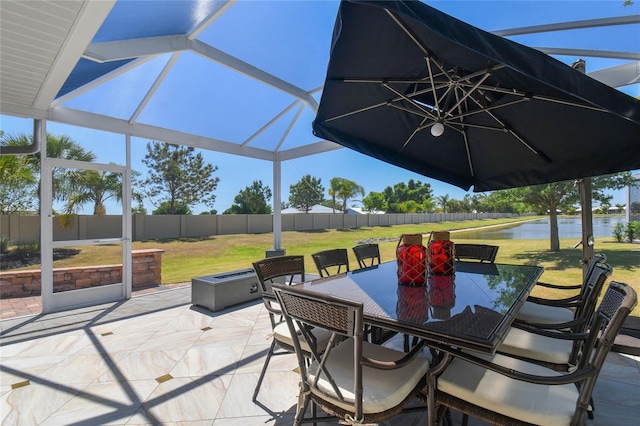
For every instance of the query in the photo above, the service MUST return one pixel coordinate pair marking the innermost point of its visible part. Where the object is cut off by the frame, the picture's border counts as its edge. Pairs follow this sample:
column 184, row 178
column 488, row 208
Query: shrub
column 633, row 231
column 619, row 231
column 31, row 249
column 4, row 243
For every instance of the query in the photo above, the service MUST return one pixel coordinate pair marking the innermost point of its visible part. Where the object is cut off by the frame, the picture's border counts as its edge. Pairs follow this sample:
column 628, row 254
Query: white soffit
column 40, row 43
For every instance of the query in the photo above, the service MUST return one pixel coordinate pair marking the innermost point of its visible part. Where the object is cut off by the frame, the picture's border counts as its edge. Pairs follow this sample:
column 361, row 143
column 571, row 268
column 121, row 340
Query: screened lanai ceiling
column 238, row 77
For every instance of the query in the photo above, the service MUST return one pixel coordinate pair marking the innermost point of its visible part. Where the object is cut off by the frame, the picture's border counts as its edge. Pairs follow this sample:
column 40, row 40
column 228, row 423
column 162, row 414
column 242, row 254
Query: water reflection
column 568, row 227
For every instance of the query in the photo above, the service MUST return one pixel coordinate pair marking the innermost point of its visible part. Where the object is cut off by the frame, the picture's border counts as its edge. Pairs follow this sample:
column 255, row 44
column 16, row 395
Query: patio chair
column 540, row 311
column 481, row 252
column 558, row 346
column 284, row 270
column 368, row 255
column 504, row 390
column 331, row 262
column 353, row 380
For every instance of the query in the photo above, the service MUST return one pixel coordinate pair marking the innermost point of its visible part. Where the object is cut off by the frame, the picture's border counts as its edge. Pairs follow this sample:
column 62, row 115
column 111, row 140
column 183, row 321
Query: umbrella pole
column 584, row 186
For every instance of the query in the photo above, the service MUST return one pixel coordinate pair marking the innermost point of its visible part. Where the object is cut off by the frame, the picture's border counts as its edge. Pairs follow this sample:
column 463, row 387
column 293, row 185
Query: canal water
column 568, row 227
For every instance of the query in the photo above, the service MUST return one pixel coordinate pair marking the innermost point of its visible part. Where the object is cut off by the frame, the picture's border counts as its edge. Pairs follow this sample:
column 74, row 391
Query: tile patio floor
column 155, row 359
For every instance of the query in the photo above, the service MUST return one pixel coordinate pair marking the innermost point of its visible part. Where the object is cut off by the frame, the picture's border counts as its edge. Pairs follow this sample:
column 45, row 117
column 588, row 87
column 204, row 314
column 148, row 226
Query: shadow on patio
column 156, row 359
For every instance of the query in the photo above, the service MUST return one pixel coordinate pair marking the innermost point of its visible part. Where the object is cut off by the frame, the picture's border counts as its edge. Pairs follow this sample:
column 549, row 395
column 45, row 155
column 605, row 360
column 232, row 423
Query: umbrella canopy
column 417, row 88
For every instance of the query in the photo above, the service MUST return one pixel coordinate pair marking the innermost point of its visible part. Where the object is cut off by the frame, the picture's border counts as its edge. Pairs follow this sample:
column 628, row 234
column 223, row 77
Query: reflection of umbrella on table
column 417, row 88
column 414, row 87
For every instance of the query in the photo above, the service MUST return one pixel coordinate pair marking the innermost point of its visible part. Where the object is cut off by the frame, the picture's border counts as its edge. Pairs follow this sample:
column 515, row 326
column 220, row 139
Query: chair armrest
column 562, row 379
column 392, row 365
column 270, row 300
column 568, row 302
column 559, row 286
column 563, row 302
column 552, row 330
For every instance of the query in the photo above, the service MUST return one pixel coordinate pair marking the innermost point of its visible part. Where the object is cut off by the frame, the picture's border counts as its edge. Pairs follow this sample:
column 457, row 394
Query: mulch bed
column 13, row 260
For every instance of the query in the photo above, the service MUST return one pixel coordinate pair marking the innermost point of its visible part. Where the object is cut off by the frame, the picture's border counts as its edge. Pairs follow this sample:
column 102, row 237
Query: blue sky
column 262, row 39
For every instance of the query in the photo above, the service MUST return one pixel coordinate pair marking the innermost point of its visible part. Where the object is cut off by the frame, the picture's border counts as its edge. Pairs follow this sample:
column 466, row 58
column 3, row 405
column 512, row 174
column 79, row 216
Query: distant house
column 315, row 209
column 323, row 209
column 359, row 210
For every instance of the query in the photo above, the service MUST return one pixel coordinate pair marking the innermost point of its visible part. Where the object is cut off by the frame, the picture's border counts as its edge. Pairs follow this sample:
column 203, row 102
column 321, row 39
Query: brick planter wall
column 146, row 266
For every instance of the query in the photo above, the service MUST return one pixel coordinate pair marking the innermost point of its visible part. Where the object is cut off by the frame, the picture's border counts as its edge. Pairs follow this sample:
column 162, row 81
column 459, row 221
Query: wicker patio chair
column 284, row 270
column 481, row 252
column 331, row 262
column 558, row 346
column 536, row 310
column 503, row 390
column 368, row 255
column 353, row 380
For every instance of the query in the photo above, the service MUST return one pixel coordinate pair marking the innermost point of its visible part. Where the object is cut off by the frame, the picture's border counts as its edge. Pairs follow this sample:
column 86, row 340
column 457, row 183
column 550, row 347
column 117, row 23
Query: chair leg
column 264, row 370
column 444, row 417
column 303, row 402
column 414, row 342
column 465, row 419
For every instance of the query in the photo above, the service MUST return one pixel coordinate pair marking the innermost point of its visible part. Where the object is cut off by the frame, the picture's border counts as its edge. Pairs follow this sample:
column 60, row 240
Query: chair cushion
column 545, row 314
column 281, row 333
column 529, row 402
column 382, row 389
column 531, row 345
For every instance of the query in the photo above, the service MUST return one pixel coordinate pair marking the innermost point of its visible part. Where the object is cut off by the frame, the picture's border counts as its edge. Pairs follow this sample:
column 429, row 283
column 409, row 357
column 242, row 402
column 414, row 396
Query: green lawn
column 187, row 258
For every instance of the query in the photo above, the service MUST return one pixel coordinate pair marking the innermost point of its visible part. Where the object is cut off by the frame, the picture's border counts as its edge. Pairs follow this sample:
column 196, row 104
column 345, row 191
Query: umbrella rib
column 378, row 104
column 569, row 103
column 410, row 111
column 464, row 130
column 463, row 124
column 403, row 96
column 540, row 97
column 406, row 29
column 347, row 114
column 470, row 92
column 470, row 113
column 513, row 133
column 433, row 85
column 466, row 147
column 414, row 133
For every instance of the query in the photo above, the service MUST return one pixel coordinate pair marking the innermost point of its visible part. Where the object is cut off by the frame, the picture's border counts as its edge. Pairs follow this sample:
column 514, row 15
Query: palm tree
column 18, row 184
column 66, row 181
column 334, row 187
column 57, row 147
column 428, row 204
column 348, row 189
column 94, row 187
column 443, row 200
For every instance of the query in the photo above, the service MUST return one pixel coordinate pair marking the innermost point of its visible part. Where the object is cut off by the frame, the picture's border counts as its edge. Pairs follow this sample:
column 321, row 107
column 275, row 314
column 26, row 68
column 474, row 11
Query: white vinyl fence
column 26, row 229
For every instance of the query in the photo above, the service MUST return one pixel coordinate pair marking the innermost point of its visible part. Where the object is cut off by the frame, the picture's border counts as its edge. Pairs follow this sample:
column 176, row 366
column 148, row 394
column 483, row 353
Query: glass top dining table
column 471, row 309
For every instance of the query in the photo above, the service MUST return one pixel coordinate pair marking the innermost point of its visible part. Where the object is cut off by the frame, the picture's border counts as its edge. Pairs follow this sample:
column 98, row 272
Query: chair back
column 617, row 302
column 278, row 269
column 331, row 262
column 483, row 253
column 368, row 255
column 585, row 310
column 590, row 292
column 343, row 318
column 597, row 259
